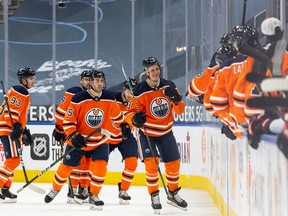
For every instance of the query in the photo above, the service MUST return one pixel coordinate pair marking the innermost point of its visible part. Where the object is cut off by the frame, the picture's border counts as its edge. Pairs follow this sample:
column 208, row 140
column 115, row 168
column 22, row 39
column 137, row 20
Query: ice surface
column 32, row 204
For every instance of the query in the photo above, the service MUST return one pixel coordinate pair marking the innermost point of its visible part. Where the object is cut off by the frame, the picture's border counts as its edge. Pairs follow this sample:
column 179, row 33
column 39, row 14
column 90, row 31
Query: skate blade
column 123, row 202
column 157, row 211
column 71, row 201
column 175, row 205
column 10, row 200
column 78, row 201
column 95, row 208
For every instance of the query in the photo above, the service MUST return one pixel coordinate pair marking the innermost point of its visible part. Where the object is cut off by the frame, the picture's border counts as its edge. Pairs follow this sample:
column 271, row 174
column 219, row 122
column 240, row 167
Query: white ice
column 32, row 204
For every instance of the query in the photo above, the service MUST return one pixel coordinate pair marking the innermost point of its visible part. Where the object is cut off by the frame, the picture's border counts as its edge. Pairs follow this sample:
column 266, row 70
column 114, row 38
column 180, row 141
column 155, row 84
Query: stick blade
column 36, row 189
column 264, row 102
column 274, row 84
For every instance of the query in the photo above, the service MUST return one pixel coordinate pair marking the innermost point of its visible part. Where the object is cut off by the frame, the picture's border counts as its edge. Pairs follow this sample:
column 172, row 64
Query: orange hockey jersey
column 116, row 133
column 198, row 85
column 222, row 95
column 87, row 113
column 19, row 102
column 63, row 105
column 158, row 108
column 244, row 90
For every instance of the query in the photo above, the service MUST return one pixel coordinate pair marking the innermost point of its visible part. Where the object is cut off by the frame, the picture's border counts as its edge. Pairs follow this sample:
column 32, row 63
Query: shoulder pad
column 107, row 94
column 164, row 82
column 74, row 89
column 20, row 89
column 118, row 96
column 81, row 96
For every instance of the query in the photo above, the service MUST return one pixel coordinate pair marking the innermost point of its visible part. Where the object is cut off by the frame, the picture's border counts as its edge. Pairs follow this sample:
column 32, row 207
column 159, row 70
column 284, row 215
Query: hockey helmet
column 24, row 73
column 86, row 73
column 149, row 62
column 226, row 39
column 224, row 53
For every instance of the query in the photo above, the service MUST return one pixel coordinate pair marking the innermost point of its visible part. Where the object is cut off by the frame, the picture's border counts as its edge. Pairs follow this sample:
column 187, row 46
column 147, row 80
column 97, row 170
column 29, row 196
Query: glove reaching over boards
column 172, row 93
column 229, row 134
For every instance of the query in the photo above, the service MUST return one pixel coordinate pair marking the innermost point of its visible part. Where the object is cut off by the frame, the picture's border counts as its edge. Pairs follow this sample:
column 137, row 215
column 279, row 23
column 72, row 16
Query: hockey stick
column 274, row 84
column 264, row 102
column 18, row 146
column 144, row 128
column 98, row 130
column 244, row 12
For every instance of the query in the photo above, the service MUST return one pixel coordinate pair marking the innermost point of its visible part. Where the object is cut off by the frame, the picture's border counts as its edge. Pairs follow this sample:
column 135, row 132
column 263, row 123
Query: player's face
column 85, row 83
column 98, row 84
column 153, row 73
column 29, row 81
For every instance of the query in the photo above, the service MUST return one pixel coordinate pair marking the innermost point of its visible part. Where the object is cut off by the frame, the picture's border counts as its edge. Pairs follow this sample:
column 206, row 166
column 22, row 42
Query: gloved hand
column 126, row 131
column 139, row 119
column 198, row 99
column 255, row 130
column 78, row 141
column 17, row 131
column 27, row 139
column 172, row 93
column 229, row 134
column 58, row 134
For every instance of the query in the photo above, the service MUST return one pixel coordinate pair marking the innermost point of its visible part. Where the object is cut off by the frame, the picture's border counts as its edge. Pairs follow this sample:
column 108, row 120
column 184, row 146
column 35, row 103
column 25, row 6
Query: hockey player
column 123, row 139
column 87, row 111
column 198, row 85
column 221, row 97
column 222, row 54
column 259, row 120
column 80, row 174
column 157, row 100
column 12, row 133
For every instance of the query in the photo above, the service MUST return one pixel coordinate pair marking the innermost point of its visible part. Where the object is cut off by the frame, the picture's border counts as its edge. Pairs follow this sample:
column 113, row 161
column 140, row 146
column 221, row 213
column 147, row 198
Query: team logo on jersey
column 94, row 117
column 160, row 107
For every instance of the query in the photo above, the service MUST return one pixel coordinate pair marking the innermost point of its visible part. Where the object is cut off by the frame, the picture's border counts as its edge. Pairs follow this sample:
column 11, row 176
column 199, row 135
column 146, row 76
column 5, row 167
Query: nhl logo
column 40, row 147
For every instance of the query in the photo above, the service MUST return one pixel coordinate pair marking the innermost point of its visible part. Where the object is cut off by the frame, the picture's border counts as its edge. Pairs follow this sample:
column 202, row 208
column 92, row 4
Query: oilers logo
column 160, row 107
column 94, row 118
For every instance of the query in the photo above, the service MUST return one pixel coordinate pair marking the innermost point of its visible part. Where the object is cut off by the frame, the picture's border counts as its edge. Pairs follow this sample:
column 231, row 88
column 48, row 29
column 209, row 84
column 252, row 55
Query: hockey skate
column 2, row 197
column 123, row 196
column 155, row 202
column 95, row 203
column 82, row 196
column 8, row 197
column 175, row 200
column 51, row 195
column 70, row 195
column 85, row 193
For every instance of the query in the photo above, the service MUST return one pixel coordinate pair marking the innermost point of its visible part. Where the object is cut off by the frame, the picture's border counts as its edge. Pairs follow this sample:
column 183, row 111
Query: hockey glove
column 255, row 130
column 126, row 131
column 17, row 131
column 27, row 139
column 172, row 93
column 282, row 142
column 58, row 134
column 139, row 119
column 229, row 134
column 77, row 140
